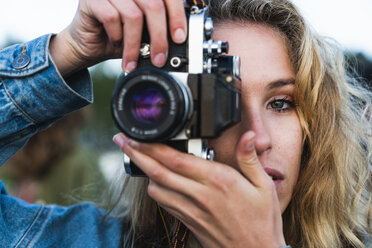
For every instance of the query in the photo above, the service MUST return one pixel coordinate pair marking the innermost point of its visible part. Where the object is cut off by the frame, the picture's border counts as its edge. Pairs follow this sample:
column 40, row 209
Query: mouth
column 275, row 175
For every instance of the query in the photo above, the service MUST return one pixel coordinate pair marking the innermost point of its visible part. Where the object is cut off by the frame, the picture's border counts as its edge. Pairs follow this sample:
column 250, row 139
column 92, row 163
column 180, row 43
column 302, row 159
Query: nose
column 254, row 120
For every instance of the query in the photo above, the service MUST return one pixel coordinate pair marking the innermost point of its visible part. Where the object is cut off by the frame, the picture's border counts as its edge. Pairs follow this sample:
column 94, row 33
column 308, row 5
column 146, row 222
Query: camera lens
column 150, row 105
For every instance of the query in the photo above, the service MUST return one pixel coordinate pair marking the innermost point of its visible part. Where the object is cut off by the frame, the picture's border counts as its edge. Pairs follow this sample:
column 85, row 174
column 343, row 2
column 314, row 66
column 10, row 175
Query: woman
column 300, row 158
column 294, row 171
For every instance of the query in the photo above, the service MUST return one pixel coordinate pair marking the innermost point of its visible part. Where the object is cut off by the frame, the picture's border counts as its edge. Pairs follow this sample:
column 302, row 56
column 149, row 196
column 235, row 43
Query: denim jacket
column 33, row 95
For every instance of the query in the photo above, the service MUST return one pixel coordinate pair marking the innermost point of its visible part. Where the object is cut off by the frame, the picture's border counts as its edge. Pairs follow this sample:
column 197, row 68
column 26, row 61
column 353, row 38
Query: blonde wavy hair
column 331, row 205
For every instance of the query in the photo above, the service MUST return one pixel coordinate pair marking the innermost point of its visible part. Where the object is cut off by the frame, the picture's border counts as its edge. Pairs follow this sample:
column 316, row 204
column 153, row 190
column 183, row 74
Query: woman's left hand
column 220, row 205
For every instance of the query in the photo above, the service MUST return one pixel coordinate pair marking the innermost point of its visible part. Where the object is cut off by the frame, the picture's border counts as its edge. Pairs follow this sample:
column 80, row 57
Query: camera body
column 192, row 98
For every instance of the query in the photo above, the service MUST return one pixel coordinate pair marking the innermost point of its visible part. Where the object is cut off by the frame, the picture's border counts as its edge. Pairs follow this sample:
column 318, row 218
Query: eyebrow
column 280, row 83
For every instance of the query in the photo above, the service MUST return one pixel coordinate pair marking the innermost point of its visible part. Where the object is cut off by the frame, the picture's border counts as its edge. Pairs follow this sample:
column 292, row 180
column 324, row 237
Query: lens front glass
column 151, row 105
column 148, row 105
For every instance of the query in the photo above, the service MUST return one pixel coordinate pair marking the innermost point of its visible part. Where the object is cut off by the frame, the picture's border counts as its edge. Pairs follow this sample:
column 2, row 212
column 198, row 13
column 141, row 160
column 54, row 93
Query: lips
column 275, row 175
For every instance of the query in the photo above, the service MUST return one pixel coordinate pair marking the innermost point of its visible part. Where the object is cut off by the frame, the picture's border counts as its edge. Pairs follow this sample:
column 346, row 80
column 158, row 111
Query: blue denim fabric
column 30, row 100
column 35, row 96
column 33, row 225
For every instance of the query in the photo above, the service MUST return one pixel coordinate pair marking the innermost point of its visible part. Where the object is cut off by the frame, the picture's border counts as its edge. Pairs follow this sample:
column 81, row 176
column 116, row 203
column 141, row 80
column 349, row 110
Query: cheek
column 286, row 154
column 287, row 138
column 287, row 142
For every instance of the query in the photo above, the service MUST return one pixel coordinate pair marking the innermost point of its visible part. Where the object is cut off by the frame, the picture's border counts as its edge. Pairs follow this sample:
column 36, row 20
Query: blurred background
column 76, row 156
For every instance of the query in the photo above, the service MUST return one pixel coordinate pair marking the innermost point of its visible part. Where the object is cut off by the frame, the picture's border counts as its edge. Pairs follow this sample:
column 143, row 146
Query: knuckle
column 110, row 17
column 151, row 190
column 156, row 174
column 229, row 182
column 154, row 5
column 178, row 162
column 223, row 179
column 160, row 45
column 133, row 16
column 201, row 201
column 215, row 179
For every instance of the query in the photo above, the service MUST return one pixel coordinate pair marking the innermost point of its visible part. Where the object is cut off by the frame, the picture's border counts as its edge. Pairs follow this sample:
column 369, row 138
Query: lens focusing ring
column 171, row 115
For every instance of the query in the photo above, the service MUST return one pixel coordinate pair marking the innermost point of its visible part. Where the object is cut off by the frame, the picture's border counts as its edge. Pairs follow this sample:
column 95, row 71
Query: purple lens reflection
column 148, row 105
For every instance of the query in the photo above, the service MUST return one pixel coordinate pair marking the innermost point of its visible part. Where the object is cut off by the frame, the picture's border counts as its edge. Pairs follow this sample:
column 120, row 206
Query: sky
column 349, row 22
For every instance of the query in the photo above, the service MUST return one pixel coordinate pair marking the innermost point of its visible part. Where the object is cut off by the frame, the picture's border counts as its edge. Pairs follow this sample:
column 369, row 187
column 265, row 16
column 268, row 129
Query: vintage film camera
column 193, row 97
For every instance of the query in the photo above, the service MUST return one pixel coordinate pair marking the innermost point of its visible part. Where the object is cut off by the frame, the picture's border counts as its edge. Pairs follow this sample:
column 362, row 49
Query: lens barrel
column 150, row 105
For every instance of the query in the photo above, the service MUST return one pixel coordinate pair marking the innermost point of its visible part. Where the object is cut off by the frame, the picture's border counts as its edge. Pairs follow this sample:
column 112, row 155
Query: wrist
column 64, row 55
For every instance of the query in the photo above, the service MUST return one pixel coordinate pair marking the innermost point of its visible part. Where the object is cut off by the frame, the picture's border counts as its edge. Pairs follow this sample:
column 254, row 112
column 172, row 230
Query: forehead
column 262, row 49
column 238, row 29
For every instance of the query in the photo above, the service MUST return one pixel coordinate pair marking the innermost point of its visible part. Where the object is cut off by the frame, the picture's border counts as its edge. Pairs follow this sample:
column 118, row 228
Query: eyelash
column 291, row 105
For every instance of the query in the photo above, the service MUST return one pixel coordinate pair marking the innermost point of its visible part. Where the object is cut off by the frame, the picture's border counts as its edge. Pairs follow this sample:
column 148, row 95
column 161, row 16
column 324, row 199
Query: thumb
column 248, row 161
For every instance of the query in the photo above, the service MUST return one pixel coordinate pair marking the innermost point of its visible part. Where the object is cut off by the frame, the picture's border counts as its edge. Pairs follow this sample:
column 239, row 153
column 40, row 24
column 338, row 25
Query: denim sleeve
column 34, row 225
column 33, row 97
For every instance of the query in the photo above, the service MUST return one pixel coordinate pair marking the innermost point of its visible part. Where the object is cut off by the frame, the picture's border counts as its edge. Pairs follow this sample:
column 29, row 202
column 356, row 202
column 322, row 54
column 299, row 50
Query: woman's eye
column 281, row 105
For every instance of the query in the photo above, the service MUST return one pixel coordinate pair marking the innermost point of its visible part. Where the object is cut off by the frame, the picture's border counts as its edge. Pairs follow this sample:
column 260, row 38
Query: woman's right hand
column 221, row 205
column 104, row 29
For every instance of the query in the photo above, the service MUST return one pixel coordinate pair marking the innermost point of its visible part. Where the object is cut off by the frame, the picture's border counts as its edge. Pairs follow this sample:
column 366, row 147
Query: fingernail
column 131, row 66
column 159, row 59
column 179, row 35
column 119, row 139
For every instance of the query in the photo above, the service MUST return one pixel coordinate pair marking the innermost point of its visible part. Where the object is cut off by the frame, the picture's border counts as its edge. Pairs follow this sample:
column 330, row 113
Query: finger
column 157, row 27
column 248, row 161
column 132, row 19
column 156, row 171
column 187, row 165
column 177, row 20
column 168, row 198
column 109, row 17
column 181, row 207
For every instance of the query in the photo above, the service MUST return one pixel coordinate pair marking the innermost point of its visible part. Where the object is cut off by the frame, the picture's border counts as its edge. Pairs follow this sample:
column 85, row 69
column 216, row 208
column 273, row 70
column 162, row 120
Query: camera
column 193, row 97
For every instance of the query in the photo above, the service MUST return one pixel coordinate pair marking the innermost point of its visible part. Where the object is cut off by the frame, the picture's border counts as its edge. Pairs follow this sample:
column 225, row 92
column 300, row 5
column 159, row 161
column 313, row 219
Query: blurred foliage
column 100, row 127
